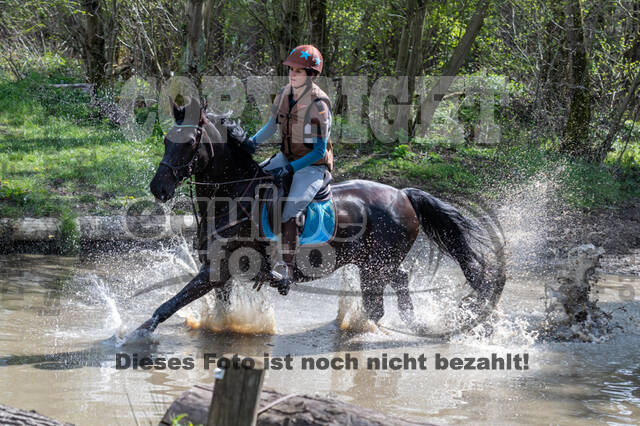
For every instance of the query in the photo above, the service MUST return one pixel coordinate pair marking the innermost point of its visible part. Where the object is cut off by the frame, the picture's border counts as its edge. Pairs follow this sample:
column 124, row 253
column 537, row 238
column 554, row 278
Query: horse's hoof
column 471, row 303
column 284, row 286
column 142, row 332
column 148, row 326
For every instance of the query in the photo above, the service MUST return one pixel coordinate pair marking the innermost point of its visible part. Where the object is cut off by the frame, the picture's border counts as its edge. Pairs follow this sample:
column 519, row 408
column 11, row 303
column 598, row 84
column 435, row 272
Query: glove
column 249, row 146
column 237, row 135
column 282, row 172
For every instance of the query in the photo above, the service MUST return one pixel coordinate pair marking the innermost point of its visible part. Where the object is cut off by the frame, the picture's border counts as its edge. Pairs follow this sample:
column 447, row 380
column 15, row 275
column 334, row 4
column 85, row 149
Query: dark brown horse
column 376, row 223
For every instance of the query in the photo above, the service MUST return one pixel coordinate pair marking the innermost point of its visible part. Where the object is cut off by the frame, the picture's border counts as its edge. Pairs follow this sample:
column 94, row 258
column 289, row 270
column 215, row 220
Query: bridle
column 189, row 165
column 175, row 170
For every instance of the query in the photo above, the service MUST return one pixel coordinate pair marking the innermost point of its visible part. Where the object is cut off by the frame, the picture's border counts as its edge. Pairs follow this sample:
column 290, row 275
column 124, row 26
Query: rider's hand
column 249, row 146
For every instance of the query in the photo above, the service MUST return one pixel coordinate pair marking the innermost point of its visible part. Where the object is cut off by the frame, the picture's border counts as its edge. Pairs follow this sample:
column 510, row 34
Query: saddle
column 317, row 221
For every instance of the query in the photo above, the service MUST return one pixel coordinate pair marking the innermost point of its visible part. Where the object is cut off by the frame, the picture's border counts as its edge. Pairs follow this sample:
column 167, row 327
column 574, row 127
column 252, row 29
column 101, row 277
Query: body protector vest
column 302, row 122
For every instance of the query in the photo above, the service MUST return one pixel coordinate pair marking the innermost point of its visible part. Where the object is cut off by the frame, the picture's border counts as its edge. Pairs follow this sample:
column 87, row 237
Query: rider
column 301, row 112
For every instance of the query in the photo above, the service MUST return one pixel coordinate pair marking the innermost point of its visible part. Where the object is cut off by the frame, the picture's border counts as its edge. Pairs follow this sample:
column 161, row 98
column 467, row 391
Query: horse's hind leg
column 400, row 283
column 373, row 284
column 372, row 287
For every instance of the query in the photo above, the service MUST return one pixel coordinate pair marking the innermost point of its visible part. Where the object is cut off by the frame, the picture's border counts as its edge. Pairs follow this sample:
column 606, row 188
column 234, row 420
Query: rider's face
column 297, row 76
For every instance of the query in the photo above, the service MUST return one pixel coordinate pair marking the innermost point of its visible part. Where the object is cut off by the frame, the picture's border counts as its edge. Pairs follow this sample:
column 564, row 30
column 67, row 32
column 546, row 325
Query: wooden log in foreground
column 296, row 410
column 15, row 416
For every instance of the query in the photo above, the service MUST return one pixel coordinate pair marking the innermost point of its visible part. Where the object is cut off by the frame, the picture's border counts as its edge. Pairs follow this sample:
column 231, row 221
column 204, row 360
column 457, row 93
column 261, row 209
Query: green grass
column 59, row 157
column 487, row 171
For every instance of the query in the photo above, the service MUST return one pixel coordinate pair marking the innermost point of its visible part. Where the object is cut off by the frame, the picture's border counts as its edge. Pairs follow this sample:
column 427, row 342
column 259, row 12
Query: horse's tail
column 451, row 232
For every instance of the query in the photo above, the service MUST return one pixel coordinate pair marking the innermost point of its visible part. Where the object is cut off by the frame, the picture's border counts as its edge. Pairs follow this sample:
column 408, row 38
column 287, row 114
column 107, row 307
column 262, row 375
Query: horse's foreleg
column 200, row 285
column 400, row 283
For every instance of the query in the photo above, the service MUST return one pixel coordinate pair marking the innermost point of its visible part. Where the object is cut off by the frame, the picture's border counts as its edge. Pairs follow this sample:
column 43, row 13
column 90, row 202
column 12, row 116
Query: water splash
column 351, row 314
column 182, row 257
column 245, row 312
column 527, row 217
column 113, row 320
column 571, row 314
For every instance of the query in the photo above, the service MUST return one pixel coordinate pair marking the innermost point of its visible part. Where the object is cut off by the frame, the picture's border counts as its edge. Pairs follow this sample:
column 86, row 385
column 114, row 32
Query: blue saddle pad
column 318, row 226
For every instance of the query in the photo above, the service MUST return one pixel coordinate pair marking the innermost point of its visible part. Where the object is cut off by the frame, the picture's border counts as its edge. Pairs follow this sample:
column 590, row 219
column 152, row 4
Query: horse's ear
column 175, row 109
column 187, row 102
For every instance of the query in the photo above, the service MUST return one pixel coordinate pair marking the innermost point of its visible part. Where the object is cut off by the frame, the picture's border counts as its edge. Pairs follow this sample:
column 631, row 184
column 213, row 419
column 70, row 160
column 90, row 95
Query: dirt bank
column 616, row 230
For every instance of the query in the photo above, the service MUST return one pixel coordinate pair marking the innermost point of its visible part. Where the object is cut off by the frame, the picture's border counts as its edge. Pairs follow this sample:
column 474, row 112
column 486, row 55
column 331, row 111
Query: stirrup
column 284, row 278
column 281, row 271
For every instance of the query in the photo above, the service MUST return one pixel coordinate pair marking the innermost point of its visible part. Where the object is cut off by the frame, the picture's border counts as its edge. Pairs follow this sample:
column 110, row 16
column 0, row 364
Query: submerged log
column 288, row 409
column 15, row 416
column 30, row 229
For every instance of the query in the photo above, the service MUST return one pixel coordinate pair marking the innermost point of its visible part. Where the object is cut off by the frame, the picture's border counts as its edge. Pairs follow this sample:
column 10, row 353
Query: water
column 56, row 356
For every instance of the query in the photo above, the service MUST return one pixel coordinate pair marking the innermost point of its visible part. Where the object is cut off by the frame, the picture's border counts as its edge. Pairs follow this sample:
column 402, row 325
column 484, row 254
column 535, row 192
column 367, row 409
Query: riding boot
column 283, row 271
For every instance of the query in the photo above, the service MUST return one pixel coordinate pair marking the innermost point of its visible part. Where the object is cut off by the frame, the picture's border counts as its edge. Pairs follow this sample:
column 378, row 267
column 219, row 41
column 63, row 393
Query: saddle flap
column 319, row 225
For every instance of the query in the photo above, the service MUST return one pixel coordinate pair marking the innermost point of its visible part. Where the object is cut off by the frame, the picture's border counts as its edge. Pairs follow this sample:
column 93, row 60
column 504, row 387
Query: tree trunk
column 551, row 90
column 633, row 53
column 94, row 52
column 318, row 23
column 616, row 120
column 214, row 31
column 193, row 52
column 15, row 416
column 276, row 409
column 111, row 36
column 576, row 135
column 289, row 32
column 409, row 60
column 430, row 103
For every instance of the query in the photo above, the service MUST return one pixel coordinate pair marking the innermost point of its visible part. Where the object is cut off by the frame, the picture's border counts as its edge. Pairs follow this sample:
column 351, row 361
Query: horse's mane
column 235, row 136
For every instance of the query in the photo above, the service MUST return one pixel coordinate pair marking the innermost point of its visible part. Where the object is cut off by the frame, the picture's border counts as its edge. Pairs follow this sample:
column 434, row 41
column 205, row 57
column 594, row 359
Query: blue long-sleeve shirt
column 266, row 132
column 316, row 154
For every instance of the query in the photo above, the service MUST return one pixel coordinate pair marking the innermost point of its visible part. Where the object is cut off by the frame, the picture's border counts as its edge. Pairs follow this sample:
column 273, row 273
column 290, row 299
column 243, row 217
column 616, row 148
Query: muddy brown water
column 57, row 316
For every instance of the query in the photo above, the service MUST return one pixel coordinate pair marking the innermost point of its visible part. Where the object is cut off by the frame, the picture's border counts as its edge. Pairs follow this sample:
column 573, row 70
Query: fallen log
column 109, row 109
column 15, row 416
column 98, row 228
column 288, row 409
column 83, row 86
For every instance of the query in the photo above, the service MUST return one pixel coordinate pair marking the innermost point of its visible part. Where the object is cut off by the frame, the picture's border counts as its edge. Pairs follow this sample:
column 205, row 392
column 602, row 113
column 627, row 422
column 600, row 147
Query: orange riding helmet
column 306, row 56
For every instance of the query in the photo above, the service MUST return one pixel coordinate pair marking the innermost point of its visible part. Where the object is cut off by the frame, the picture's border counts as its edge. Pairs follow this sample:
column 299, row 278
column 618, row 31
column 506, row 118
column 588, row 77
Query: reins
column 216, row 186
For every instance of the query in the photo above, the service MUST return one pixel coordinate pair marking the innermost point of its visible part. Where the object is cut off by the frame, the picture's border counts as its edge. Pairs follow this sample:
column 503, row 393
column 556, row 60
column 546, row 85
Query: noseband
column 175, row 170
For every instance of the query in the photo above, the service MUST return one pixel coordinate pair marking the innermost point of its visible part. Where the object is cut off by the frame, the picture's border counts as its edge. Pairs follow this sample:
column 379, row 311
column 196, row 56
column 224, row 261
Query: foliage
column 60, row 155
column 176, row 421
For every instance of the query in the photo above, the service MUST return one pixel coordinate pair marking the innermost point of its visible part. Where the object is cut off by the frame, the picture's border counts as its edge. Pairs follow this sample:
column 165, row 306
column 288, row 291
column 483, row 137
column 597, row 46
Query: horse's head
column 188, row 148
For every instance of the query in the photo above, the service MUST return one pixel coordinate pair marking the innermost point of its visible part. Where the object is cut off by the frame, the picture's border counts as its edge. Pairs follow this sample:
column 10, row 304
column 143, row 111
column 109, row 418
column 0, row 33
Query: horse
column 206, row 147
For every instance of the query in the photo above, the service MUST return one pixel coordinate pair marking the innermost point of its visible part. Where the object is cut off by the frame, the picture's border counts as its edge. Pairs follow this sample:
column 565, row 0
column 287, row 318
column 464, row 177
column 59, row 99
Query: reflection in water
column 57, row 316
